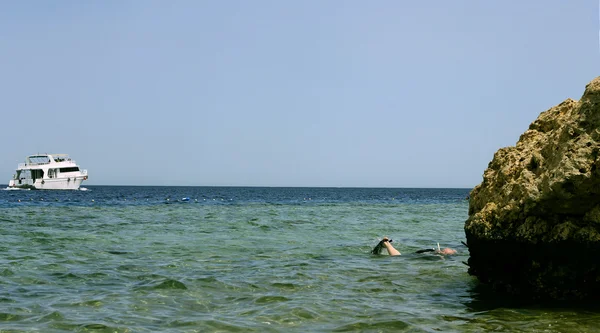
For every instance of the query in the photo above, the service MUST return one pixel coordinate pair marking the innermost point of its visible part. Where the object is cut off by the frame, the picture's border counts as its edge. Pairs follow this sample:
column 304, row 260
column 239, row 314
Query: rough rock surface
column 534, row 222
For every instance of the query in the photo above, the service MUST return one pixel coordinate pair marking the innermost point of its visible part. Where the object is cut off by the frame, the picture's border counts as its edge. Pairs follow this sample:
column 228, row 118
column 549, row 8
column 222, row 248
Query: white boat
column 48, row 172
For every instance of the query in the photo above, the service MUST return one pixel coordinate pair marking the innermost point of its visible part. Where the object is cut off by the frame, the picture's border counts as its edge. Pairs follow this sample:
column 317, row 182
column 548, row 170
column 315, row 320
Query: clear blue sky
column 285, row 93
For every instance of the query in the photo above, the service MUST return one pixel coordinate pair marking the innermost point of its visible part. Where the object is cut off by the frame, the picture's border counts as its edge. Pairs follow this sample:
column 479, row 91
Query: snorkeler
column 386, row 242
column 444, row 251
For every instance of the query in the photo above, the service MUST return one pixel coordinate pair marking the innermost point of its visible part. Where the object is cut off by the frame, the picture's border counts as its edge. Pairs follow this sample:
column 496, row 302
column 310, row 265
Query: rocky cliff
column 534, row 221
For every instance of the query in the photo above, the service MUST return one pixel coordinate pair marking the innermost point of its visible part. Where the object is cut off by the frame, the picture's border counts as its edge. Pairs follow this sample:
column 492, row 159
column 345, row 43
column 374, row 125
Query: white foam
column 16, row 189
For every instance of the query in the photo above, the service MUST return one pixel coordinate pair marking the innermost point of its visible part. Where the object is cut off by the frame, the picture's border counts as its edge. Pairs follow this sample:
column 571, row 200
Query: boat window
column 37, row 173
column 71, row 169
column 30, row 174
column 39, row 159
column 24, row 174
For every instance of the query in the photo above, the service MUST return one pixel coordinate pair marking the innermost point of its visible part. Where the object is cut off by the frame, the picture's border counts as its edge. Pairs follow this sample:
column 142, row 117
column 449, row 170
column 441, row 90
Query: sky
column 285, row 93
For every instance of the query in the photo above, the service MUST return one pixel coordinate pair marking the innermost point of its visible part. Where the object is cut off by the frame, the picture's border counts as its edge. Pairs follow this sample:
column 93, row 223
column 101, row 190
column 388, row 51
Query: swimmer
column 446, row 251
column 386, row 242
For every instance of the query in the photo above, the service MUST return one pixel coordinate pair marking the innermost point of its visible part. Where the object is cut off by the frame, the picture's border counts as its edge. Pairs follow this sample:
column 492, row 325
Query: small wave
column 16, row 189
column 284, row 285
column 66, row 276
column 98, row 327
column 52, row 316
column 83, row 189
column 94, row 275
column 270, row 299
column 164, row 284
column 207, row 279
column 117, row 252
column 209, row 325
column 131, row 268
column 304, row 313
column 4, row 316
column 393, row 325
column 91, row 303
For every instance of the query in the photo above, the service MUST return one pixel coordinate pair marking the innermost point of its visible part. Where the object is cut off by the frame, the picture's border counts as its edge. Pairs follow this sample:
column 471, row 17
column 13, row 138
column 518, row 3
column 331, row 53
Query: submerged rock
column 534, row 221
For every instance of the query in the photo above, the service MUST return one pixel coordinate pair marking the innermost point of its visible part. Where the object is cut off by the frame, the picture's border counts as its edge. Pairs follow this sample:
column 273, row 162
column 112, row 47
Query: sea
column 250, row 259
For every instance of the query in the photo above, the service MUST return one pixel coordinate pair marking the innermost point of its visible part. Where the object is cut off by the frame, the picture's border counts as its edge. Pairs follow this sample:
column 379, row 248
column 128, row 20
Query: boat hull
column 49, row 184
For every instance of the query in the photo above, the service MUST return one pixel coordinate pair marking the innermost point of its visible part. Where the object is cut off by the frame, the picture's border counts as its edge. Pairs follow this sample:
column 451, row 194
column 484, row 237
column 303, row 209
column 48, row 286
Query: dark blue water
column 152, row 195
column 144, row 259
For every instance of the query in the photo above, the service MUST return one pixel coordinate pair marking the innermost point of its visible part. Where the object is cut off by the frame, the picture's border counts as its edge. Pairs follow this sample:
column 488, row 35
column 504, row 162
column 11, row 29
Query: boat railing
column 23, row 165
column 84, row 172
column 68, row 161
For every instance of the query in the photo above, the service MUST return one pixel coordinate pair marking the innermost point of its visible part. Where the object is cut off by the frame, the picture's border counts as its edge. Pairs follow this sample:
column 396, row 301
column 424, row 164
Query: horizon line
column 287, row 186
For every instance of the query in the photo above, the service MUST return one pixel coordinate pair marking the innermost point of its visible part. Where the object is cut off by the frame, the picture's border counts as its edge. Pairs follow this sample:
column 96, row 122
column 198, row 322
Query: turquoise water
column 139, row 259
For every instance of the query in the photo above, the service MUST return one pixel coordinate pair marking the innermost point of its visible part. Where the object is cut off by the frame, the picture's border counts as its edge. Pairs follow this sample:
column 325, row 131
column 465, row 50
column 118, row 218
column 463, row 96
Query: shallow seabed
column 139, row 259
